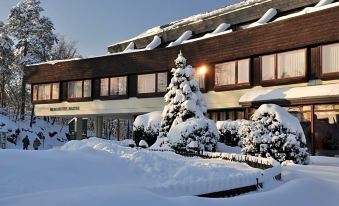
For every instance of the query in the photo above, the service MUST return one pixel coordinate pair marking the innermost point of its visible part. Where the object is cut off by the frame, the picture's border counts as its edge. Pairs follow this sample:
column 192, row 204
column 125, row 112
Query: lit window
column 199, row 76
column 55, row 91
column 225, row 74
column 268, row 67
column 330, row 58
column 283, row 65
column 291, row 64
column 152, row 83
column 146, row 83
column 45, row 92
column 79, row 89
column 104, row 84
column 232, row 73
column 243, row 71
column 162, row 82
column 118, row 86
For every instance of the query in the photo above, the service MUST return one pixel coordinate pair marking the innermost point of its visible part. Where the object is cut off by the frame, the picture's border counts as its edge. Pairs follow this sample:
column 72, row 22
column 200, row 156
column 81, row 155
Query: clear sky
column 95, row 24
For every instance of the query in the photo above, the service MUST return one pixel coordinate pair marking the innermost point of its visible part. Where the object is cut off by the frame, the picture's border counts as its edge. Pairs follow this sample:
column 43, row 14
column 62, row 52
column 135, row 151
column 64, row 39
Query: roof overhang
column 318, row 94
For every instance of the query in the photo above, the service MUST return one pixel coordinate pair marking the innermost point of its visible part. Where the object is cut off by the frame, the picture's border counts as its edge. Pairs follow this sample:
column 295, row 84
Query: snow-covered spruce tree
column 184, row 112
column 6, row 60
column 33, row 35
column 273, row 132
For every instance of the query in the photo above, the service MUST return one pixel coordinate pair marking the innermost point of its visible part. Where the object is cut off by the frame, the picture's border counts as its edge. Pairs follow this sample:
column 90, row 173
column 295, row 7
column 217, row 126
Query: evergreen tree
column 33, row 35
column 6, row 59
column 184, row 99
column 273, row 132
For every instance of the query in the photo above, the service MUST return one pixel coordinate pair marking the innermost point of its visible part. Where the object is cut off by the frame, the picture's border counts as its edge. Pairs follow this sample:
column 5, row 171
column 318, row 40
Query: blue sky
column 95, row 24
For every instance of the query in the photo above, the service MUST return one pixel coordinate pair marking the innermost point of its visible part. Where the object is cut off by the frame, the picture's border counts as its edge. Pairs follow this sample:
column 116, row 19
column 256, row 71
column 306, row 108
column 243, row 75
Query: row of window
column 284, row 65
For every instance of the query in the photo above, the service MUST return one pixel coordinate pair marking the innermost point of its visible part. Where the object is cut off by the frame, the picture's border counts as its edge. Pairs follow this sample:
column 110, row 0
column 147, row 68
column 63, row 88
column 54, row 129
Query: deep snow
column 99, row 172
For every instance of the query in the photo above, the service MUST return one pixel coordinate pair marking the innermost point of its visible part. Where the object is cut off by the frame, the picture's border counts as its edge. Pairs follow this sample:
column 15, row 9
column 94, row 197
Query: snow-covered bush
column 143, row 144
column 184, row 114
column 228, row 132
column 194, row 134
column 273, row 132
column 146, row 127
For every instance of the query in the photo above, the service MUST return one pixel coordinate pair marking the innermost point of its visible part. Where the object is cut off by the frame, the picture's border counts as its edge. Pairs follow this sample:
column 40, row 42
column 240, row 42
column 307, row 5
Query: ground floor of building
column 315, row 104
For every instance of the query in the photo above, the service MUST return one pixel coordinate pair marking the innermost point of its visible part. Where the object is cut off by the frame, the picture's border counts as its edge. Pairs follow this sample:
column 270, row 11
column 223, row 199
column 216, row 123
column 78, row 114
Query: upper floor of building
column 288, row 51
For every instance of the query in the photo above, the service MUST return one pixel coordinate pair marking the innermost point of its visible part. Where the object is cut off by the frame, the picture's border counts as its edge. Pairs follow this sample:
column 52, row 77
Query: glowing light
column 202, row 70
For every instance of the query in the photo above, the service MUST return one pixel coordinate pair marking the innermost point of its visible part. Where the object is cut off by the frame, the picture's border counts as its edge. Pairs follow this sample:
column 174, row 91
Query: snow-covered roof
column 190, row 28
column 193, row 19
column 55, row 61
column 319, row 91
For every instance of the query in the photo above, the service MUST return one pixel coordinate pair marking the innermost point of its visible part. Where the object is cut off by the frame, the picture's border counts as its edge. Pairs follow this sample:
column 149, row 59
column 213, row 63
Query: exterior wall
column 313, row 29
column 215, row 100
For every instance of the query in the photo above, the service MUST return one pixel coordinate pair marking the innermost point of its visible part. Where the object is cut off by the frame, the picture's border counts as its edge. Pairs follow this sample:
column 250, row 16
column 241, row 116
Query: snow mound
column 150, row 120
column 166, row 173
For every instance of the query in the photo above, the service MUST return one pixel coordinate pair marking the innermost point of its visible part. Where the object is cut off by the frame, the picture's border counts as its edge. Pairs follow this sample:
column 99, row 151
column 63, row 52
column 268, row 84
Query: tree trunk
column 3, row 90
column 23, row 98
column 32, row 116
column 23, row 86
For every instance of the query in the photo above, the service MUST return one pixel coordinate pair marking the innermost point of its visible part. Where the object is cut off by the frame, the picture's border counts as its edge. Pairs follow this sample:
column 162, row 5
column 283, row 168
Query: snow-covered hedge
column 194, row 134
column 146, row 127
column 273, row 132
column 228, row 132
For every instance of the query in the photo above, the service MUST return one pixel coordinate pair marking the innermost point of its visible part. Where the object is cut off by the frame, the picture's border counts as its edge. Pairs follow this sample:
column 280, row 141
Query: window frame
column 236, row 85
column 109, row 96
column 50, row 100
column 82, row 98
column 286, row 80
column 152, row 94
column 328, row 75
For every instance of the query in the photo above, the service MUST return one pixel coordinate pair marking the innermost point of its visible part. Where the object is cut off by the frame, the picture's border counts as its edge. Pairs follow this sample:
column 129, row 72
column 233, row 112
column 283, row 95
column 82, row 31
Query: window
column 199, row 76
column 268, row 67
column 79, row 89
column 152, row 83
column 113, row 86
column 283, row 65
column 230, row 73
column 330, row 58
column 162, row 82
column 45, row 92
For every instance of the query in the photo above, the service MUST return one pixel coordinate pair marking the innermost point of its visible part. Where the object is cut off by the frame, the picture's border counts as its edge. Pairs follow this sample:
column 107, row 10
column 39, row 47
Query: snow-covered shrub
column 194, row 134
column 143, row 144
column 146, row 127
column 228, row 132
column 273, row 132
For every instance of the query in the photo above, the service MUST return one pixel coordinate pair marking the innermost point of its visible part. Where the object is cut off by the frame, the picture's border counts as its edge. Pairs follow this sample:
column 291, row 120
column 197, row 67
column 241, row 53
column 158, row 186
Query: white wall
column 215, row 100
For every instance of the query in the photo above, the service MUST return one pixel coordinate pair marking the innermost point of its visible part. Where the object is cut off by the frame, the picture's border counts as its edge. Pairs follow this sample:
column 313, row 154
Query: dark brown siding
column 307, row 30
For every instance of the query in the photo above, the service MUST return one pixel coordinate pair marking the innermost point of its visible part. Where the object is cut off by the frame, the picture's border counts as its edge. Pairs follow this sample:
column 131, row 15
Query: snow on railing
column 129, row 47
column 154, row 43
column 265, row 18
column 321, row 5
column 233, row 185
column 185, row 36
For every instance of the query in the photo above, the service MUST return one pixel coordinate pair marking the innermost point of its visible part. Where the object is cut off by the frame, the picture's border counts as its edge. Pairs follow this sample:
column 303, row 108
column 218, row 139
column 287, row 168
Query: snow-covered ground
column 100, row 172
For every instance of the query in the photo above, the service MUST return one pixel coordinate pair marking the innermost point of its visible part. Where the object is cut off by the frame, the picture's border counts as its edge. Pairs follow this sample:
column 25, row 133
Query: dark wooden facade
column 308, row 31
